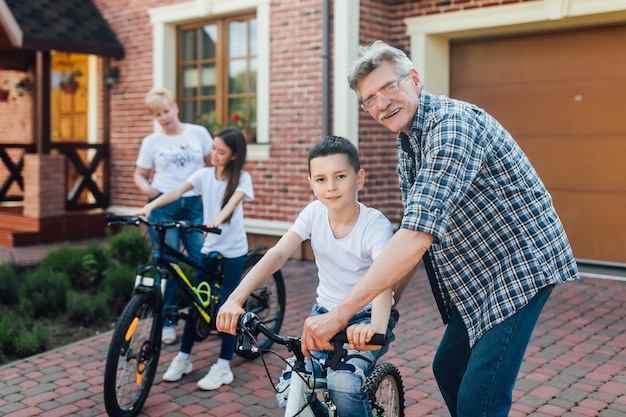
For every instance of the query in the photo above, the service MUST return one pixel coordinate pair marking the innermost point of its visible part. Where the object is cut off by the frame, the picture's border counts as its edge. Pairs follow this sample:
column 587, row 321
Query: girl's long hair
column 235, row 140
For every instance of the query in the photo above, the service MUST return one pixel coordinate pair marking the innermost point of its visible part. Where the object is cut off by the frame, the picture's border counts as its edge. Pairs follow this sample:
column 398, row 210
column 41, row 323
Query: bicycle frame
column 303, row 382
column 166, row 257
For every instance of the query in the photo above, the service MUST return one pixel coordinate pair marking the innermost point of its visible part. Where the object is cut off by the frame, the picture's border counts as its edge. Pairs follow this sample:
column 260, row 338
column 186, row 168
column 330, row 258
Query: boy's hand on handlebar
column 358, row 336
column 228, row 317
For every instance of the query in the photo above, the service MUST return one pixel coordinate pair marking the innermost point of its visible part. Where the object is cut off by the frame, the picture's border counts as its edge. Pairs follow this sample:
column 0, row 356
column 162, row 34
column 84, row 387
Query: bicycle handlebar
column 176, row 224
column 250, row 324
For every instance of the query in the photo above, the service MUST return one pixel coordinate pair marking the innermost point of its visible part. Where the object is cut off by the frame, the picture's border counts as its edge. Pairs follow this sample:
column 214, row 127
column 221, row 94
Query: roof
column 61, row 25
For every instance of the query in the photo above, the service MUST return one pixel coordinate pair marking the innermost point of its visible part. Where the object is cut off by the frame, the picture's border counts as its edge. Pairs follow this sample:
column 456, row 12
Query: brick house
column 552, row 71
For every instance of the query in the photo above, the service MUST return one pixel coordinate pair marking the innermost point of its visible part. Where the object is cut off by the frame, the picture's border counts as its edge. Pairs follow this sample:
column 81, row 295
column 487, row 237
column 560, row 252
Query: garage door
column 562, row 96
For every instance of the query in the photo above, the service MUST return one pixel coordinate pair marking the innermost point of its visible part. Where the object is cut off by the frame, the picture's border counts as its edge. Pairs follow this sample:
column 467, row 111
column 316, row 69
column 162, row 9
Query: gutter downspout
column 325, row 68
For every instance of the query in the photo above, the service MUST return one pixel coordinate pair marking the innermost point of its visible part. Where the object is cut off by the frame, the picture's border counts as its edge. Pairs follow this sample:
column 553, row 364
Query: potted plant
column 70, row 85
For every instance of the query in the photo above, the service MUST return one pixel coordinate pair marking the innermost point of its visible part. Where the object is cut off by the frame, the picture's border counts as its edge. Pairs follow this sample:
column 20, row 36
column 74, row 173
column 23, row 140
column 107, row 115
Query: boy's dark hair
column 333, row 145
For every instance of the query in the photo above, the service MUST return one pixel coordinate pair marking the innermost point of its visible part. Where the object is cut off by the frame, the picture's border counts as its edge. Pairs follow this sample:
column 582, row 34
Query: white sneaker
column 215, row 378
column 177, row 369
column 168, row 335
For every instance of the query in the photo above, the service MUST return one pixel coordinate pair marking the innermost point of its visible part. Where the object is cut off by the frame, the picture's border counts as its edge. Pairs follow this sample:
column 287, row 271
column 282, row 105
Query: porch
column 52, row 198
column 54, row 150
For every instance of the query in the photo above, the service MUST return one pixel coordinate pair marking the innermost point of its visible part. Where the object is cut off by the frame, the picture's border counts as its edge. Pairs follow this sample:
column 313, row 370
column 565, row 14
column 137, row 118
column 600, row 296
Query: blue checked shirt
column 498, row 238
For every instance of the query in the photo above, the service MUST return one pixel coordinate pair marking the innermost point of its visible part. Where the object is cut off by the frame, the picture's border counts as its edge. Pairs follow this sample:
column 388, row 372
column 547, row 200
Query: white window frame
column 164, row 21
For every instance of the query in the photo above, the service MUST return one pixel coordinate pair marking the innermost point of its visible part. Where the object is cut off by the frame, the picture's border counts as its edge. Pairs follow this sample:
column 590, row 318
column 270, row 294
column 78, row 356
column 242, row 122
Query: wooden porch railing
column 87, row 176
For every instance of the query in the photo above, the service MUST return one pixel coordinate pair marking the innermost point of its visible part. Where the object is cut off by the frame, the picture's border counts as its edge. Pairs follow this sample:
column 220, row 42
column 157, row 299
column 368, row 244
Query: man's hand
column 317, row 332
column 228, row 317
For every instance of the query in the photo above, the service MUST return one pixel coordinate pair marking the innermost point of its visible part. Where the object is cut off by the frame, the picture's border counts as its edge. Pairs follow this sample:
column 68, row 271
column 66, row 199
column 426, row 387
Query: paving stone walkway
column 574, row 367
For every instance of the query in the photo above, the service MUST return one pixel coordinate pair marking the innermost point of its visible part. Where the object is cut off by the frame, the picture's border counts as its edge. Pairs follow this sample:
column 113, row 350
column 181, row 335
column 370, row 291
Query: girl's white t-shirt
column 174, row 157
column 232, row 242
column 342, row 262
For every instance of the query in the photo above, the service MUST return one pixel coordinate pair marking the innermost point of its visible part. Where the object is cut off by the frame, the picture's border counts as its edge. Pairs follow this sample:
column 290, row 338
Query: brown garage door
column 562, row 96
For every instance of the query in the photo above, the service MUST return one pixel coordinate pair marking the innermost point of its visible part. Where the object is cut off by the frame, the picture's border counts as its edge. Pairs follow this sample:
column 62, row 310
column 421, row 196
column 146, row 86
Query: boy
column 346, row 236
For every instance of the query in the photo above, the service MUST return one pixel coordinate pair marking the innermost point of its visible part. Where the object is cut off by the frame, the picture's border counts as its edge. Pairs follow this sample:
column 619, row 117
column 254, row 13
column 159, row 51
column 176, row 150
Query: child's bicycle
column 135, row 348
column 383, row 386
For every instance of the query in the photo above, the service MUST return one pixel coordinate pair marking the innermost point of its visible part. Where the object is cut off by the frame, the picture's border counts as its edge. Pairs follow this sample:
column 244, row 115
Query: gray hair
column 371, row 56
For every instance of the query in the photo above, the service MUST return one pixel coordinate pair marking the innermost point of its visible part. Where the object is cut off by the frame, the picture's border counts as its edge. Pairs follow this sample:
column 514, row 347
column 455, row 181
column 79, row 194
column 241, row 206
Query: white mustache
column 388, row 111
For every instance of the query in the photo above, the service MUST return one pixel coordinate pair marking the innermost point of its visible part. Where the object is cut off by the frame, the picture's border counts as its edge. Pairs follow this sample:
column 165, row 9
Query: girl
column 223, row 186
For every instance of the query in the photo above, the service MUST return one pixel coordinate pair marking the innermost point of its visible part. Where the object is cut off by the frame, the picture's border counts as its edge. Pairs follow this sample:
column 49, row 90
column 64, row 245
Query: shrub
column 95, row 261
column 44, row 292
column 11, row 326
column 68, row 260
column 9, row 283
column 30, row 343
column 119, row 282
column 84, row 308
column 129, row 247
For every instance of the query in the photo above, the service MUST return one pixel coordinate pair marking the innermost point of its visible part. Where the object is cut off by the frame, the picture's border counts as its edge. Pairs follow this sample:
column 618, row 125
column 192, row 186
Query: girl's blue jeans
column 233, row 269
column 479, row 381
column 344, row 385
column 185, row 208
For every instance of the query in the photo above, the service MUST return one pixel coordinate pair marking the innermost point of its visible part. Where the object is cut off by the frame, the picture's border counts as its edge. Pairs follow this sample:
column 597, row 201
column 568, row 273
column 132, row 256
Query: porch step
column 18, row 230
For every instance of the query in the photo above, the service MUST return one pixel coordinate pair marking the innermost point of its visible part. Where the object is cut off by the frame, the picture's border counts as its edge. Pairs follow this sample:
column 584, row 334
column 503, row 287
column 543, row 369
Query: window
column 217, row 70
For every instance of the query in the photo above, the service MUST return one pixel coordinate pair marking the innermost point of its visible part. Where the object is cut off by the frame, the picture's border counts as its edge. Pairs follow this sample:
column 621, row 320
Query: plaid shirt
column 498, row 238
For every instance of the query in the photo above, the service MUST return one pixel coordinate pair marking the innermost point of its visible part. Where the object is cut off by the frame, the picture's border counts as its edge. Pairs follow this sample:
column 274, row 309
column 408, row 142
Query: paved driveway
column 575, row 365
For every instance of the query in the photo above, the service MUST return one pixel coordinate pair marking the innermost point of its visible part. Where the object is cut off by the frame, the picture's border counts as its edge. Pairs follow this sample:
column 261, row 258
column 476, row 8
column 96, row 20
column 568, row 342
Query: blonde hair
column 158, row 96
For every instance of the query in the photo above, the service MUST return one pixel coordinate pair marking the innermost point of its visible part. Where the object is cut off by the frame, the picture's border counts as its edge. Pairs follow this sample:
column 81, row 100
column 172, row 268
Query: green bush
column 44, row 292
column 95, row 261
column 30, row 343
column 9, row 283
column 84, row 308
column 68, row 260
column 130, row 247
column 119, row 281
column 11, row 326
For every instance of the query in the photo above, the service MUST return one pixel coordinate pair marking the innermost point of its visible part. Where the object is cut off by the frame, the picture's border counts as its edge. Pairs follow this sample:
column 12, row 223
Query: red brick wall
column 130, row 121
column 295, row 103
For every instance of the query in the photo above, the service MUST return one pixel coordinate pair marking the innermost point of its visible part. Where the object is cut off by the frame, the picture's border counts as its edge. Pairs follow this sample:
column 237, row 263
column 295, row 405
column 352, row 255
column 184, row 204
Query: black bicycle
column 384, row 386
column 135, row 348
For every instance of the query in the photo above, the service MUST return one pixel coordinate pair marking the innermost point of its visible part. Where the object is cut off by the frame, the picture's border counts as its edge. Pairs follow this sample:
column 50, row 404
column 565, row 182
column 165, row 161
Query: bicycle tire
column 385, row 390
column 268, row 302
column 125, row 387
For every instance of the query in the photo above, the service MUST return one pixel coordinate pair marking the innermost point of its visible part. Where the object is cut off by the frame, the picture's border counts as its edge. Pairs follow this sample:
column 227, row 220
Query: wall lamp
column 111, row 75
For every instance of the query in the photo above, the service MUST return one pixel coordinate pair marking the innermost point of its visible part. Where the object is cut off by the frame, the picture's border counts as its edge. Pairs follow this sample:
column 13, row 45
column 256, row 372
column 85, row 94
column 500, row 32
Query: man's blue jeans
column 479, row 381
column 185, row 208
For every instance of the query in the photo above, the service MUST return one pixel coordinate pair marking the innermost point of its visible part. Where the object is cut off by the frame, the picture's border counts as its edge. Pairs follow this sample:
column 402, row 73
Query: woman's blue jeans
column 344, row 384
column 479, row 381
column 233, row 269
column 185, row 208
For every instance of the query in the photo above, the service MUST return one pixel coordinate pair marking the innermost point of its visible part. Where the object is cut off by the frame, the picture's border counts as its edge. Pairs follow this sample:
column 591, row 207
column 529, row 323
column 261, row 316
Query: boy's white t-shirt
column 342, row 262
column 232, row 242
column 174, row 157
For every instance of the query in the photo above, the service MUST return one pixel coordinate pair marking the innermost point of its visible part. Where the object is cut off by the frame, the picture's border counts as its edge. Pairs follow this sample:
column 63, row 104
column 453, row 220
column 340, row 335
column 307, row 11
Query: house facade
column 552, row 71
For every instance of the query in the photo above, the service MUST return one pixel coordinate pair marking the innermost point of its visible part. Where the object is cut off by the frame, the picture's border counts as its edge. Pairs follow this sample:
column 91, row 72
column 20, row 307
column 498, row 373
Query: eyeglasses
column 384, row 91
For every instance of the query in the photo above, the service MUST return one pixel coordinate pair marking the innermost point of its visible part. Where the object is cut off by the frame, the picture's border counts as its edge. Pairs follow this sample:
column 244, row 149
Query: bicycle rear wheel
column 133, row 356
column 267, row 302
column 385, row 390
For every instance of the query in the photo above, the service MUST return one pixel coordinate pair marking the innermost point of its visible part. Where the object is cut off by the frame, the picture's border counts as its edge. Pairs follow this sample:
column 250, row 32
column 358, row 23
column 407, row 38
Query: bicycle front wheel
column 133, row 356
column 385, row 390
column 267, row 302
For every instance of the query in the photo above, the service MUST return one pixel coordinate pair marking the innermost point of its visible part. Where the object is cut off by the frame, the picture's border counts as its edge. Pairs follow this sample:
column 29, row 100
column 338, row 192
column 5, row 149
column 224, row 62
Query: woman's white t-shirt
column 174, row 157
column 341, row 262
column 232, row 242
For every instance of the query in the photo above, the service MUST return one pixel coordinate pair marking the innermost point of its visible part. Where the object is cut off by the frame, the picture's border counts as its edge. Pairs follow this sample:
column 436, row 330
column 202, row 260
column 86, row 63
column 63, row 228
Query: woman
column 166, row 159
